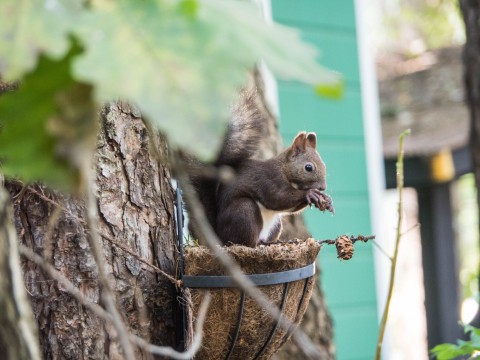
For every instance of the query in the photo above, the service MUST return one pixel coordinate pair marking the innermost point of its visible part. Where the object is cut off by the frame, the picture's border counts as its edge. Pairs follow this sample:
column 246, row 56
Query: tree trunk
column 135, row 207
column 317, row 323
column 471, row 57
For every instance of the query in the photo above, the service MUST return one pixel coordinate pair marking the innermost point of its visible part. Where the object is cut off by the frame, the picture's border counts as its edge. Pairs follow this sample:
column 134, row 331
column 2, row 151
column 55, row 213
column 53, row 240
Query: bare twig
column 18, row 329
column 198, row 215
column 382, row 250
column 354, row 239
column 383, row 323
column 18, row 197
column 67, row 285
column 42, row 196
column 175, row 281
column 411, row 228
column 106, row 292
column 71, row 289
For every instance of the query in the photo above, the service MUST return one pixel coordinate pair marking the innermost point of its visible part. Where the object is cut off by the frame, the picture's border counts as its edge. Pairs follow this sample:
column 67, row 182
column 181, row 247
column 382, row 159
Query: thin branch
column 410, row 229
column 66, row 284
column 352, row 238
column 31, row 189
column 18, row 329
column 382, row 250
column 106, row 292
column 46, row 198
column 175, row 281
column 18, row 197
column 198, row 215
column 73, row 291
column 383, row 323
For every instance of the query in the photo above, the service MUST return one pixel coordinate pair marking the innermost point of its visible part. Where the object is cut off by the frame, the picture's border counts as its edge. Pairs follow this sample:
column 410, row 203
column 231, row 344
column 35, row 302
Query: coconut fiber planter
column 235, row 326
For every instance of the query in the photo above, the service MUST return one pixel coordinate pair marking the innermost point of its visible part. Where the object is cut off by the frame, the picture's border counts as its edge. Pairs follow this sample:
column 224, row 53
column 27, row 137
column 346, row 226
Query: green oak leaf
column 31, row 27
column 33, row 122
column 280, row 46
column 182, row 62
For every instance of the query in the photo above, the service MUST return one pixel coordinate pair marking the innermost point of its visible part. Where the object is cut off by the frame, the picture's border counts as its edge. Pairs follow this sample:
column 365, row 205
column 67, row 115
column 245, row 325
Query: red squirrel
column 247, row 210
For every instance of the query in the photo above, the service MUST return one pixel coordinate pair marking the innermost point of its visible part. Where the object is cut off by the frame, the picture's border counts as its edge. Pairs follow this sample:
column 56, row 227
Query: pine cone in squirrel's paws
column 326, row 203
column 320, row 200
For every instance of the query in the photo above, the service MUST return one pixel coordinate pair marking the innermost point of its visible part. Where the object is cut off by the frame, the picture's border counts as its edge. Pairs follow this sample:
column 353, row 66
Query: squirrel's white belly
column 270, row 220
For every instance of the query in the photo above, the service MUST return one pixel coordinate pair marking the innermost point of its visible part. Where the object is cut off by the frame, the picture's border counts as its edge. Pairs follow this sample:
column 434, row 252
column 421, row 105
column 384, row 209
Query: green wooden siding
column 349, row 285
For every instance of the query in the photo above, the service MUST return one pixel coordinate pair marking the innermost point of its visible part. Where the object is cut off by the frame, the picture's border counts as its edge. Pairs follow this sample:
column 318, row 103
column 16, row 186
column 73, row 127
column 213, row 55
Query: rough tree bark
column 135, row 206
column 471, row 58
column 317, row 323
column 18, row 332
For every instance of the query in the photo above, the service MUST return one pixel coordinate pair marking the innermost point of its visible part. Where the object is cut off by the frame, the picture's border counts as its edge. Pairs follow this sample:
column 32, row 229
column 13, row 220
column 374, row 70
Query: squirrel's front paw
column 320, row 200
column 326, row 203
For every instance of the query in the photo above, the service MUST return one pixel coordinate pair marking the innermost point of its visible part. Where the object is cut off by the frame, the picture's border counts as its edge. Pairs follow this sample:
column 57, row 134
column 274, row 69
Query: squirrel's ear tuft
column 299, row 144
column 312, row 140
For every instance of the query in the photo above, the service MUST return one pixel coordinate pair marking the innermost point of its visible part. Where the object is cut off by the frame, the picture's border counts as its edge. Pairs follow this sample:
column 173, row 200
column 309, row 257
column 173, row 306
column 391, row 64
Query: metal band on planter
column 258, row 279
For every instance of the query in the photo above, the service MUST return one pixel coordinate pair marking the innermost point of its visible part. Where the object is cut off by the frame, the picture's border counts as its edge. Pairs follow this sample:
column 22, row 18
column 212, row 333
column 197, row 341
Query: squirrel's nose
column 322, row 185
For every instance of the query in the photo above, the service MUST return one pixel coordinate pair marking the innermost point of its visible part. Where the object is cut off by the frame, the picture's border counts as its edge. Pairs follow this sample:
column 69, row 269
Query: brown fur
column 280, row 184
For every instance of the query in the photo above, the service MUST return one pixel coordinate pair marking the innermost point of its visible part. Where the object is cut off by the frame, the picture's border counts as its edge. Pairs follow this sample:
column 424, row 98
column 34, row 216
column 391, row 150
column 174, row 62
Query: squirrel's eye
column 309, row 167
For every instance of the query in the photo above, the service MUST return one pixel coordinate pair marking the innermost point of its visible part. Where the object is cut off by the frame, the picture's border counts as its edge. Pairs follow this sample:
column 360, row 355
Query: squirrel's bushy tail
column 244, row 133
column 245, row 130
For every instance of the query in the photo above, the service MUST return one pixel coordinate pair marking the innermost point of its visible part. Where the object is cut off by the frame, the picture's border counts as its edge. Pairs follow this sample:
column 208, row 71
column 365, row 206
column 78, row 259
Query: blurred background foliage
column 418, row 45
column 411, row 27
